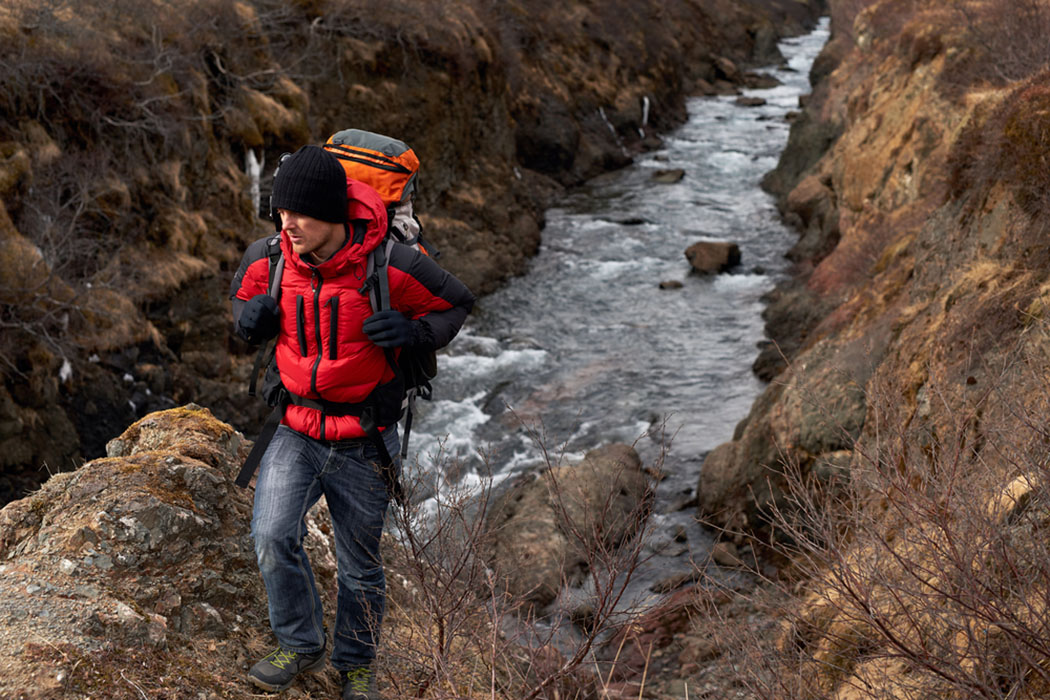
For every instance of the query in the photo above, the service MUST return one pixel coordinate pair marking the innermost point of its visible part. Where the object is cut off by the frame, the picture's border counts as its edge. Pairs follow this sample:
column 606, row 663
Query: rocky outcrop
column 549, row 531
column 136, row 573
column 127, row 141
column 139, row 567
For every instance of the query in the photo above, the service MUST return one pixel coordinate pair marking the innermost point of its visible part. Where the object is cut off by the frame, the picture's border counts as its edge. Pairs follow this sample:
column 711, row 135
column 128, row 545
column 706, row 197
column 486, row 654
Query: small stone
column 713, row 256
column 675, row 581
column 669, row 176
column 671, row 284
column 67, row 567
column 91, row 592
column 157, row 630
column 725, row 554
column 127, row 616
column 679, row 688
column 749, row 101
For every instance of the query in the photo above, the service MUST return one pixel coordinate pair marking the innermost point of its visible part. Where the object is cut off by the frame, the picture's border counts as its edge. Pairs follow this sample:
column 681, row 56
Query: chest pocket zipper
column 300, row 323
column 333, row 327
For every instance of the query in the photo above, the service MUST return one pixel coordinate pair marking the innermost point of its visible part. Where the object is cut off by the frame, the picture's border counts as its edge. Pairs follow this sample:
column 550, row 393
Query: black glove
column 258, row 322
column 388, row 329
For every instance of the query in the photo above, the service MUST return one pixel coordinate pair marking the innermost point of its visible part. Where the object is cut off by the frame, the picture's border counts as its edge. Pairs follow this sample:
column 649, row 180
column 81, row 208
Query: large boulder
column 545, row 530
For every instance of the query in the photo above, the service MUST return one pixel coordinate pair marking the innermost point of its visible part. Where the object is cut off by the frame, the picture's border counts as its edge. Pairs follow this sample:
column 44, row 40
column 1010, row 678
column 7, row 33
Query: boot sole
column 260, row 683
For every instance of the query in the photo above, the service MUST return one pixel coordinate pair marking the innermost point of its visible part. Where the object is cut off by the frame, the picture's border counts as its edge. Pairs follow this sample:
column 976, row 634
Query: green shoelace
column 359, row 680
column 282, row 658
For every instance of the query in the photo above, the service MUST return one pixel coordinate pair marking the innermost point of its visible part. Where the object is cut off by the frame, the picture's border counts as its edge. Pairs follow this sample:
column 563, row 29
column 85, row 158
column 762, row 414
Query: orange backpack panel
column 388, row 165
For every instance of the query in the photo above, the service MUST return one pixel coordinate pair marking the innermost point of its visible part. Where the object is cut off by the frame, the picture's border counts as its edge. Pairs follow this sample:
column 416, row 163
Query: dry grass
column 923, row 571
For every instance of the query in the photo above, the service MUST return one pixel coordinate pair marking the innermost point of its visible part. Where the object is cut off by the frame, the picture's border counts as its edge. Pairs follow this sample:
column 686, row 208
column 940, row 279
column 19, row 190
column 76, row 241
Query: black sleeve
column 444, row 300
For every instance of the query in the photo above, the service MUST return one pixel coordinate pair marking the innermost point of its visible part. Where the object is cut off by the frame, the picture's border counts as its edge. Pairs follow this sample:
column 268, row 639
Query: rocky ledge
column 135, row 574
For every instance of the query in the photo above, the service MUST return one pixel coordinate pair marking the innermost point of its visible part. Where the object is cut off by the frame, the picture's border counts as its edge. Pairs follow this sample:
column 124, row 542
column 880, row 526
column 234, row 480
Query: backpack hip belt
column 365, row 412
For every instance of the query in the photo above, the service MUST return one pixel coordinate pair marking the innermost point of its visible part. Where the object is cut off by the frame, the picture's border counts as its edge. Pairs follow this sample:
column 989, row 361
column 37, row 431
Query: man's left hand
column 388, row 329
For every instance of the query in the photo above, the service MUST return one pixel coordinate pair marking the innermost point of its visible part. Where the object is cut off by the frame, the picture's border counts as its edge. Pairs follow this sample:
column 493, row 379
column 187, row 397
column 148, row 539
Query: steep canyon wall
column 908, row 382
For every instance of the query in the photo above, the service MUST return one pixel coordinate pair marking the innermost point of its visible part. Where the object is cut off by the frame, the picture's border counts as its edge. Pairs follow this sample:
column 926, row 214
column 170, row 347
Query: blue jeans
column 293, row 473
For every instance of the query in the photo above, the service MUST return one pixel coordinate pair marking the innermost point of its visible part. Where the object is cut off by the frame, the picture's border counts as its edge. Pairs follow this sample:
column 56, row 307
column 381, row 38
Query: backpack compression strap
column 261, row 443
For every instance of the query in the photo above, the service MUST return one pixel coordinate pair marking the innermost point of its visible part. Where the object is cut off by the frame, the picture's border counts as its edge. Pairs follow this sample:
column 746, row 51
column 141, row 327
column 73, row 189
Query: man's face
column 309, row 235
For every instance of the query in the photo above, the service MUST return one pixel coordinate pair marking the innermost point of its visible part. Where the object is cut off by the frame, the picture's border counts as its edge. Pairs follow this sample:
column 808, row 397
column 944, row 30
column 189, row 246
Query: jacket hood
column 363, row 203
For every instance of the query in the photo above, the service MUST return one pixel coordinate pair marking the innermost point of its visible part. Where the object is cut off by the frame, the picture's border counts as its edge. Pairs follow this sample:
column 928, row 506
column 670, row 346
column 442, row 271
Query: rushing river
column 587, row 349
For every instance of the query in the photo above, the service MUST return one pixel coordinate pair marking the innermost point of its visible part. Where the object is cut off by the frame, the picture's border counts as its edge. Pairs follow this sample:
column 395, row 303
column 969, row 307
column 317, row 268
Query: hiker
column 338, row 401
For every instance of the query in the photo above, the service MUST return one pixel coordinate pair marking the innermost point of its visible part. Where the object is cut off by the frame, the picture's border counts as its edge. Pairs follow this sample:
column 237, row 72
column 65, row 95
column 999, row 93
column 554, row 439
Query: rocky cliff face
column 921, row 265
column 910, row 394
column 128, row 130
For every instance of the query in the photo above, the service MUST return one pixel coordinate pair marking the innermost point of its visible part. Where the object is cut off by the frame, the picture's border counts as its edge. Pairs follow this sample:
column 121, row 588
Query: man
column 334, row 358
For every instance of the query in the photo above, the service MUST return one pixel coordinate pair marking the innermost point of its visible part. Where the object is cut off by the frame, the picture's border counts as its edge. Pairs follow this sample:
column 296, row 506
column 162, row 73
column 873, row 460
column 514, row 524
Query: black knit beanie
column 310, row 181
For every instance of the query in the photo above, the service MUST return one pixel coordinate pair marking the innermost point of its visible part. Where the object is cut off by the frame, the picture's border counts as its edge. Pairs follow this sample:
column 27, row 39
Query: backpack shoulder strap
column 377, row 272
column 276, row 270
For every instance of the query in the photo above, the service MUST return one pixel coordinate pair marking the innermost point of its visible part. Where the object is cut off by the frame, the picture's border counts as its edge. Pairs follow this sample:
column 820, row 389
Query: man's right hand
column 258, row 322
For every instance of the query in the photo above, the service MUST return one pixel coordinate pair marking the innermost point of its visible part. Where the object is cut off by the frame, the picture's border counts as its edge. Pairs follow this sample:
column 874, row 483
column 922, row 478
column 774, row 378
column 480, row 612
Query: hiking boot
column 277, row 670
column 360, row 684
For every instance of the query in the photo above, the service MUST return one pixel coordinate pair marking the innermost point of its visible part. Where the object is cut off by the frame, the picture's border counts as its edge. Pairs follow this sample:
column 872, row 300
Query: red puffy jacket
column 322, row 353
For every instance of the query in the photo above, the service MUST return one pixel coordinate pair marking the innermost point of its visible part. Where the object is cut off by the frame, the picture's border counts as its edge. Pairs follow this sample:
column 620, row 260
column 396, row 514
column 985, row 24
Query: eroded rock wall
column 914, row 333
column 907, row 399
column 922, row 271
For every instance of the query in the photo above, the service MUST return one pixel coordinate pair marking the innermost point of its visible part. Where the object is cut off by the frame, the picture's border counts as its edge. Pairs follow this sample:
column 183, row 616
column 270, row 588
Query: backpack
column 391, row 168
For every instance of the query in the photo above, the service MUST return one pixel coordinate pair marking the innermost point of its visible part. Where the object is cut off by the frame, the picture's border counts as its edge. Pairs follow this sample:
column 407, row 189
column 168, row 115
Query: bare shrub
column 457, row 629
column 1003, row 42
column 924, row 570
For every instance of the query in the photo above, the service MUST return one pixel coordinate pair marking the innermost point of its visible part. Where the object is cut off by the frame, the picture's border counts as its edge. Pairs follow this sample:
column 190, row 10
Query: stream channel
column 586, row 349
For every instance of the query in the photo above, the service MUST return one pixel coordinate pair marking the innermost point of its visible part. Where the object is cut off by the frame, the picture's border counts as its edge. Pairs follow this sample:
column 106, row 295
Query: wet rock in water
column 708, row 257
column 671, row 284
column 761, row 81
column 749, row 101
column 669, row 176
column 681, row 534
column 726, row 69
